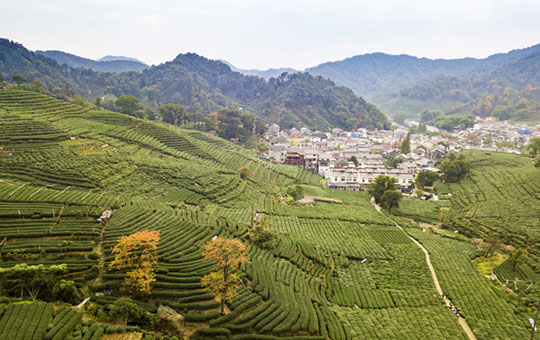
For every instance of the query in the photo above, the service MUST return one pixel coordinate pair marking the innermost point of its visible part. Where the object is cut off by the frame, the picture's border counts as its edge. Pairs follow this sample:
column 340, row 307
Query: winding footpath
column 461, row 321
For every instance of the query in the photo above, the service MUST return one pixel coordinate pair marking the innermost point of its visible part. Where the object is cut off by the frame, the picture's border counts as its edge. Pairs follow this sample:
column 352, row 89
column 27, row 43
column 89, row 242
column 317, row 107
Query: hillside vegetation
column 108, row 65
column 407, row 85
column 338, row 272
column 204, row 86
column 500, row 198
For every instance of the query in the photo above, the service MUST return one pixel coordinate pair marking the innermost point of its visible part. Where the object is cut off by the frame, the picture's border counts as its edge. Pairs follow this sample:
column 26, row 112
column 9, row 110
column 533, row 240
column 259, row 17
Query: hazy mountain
column 510, row 91
column 403, row 84
column 116, row 58
column 377, row 74
column 111, row 64
column 204, row 86
column 266, row 74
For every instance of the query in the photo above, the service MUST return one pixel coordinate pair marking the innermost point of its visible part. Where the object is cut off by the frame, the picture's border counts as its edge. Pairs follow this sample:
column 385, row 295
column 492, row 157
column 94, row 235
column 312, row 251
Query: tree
column 230, row 124
column 128, row 105
column 263, row 238
column 260, row 127
column 125, row 309
column 36, row 281
column 406, row 144
column 98, row 102
column 228, row 254
column 18, row 79
column 491, row 243
column 516, row 257
column 149, row 113
column 137, row 251
column 422, row 128
column 244, row 172
column 394, row 162
column 1, row 81
column 66, row 291
column 390, row 199
column 296, row 192
column 426, row 178
column 534, row 147
column 354, row 160
column 454, row 168
column 380, row 185
column 173, row 114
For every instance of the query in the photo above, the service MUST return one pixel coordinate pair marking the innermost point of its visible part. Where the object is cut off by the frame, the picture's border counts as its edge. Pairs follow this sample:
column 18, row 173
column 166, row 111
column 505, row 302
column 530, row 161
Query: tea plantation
column 339, row 271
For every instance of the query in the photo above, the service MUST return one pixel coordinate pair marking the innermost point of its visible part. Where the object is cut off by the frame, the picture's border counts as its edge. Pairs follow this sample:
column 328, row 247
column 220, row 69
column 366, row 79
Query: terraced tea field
column 339, row 271
column 501, row 196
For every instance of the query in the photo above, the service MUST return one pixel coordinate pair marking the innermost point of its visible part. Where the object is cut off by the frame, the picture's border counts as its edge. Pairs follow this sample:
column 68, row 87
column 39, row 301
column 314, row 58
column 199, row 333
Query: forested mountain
column 109, row 64
column 407, row 85
column 511, row 91
column 204, row 86
column 374, row 74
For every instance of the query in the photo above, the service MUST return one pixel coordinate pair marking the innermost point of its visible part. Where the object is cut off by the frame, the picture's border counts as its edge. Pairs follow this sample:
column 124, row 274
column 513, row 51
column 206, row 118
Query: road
column 461, row 321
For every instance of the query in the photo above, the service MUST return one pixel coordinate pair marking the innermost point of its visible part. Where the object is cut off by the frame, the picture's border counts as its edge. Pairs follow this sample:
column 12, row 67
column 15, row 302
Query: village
column 353, row 159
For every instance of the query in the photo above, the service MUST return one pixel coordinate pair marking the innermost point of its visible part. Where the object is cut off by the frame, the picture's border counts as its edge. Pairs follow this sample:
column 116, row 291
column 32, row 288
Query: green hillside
column 500, row 197
column 339, row 271
column 203, row 86
column 96, row 65
column 407, row 85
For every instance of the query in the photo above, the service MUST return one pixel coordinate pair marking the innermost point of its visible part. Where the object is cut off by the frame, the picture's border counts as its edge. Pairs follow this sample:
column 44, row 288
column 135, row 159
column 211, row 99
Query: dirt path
column 447, row 301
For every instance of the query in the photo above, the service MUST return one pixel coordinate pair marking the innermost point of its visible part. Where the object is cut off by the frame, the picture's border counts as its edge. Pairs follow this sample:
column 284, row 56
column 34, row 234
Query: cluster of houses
column 495, row 135
column 351, row 160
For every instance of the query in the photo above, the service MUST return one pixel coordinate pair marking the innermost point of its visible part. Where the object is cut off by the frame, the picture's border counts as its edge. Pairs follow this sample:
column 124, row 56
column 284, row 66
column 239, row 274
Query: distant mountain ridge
column 266, row 74
column 115, row 58
column 105, row 64
column 407, row 85
column 376, row 74
column 204, row 86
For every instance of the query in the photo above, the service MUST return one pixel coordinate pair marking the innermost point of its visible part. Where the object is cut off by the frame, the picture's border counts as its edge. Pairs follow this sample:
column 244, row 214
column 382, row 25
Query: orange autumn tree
column 228, row 254
column 137, row 252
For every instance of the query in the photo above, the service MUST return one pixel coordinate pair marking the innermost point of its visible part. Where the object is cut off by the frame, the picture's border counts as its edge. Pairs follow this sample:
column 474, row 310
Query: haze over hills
column 113, row 58
column 266, row 74
column 388, row 80
column 204, row 86
column 105, row 64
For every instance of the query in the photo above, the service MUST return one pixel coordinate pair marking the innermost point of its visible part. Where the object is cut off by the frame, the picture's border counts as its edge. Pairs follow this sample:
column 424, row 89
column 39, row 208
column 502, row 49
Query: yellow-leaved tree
column 228, row 255
column 137, row 252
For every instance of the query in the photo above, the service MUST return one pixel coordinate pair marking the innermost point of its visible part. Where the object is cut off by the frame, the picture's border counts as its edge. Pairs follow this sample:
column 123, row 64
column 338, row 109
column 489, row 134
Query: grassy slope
column 186, row 185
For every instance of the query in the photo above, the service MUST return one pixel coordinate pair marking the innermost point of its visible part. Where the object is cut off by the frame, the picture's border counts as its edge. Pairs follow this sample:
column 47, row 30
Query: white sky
column 276, row 33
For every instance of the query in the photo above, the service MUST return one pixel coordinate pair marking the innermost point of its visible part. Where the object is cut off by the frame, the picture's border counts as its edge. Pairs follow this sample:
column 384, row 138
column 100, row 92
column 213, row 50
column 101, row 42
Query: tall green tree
column 34, row 281
column 454, row 168
column 260, row 127
column 380, row 185
column 230, row 124
column 18, row 79
column 406, row 144
column 534, row 147
column 173, row 114
column 390, row 199
column 426, row 178
column 128, row 105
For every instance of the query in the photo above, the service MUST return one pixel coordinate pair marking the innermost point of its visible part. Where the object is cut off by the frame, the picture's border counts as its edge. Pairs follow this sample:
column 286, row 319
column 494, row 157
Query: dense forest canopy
column 204, row 86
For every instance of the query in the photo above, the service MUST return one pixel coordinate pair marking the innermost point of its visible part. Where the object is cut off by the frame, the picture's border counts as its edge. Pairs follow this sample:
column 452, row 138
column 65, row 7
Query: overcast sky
column 277, row 33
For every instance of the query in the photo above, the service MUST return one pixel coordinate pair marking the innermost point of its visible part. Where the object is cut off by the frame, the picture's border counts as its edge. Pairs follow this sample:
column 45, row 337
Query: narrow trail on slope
column 461, row 321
